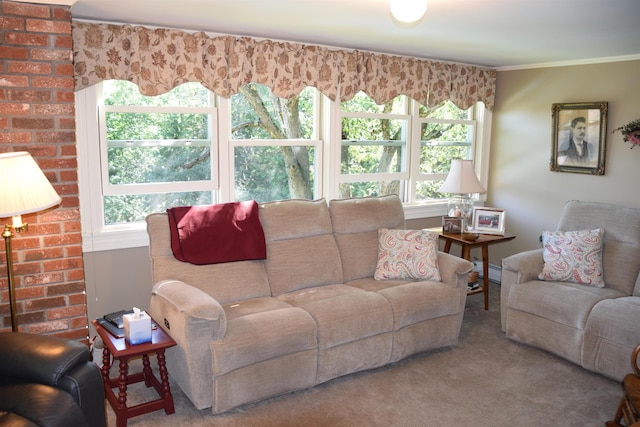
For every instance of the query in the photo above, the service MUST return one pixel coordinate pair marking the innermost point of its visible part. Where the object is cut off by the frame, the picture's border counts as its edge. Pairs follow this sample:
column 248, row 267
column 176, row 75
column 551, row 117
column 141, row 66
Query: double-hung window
column 138, row 155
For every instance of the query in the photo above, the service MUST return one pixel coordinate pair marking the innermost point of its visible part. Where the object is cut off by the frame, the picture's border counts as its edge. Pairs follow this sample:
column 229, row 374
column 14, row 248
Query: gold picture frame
column 579, row 136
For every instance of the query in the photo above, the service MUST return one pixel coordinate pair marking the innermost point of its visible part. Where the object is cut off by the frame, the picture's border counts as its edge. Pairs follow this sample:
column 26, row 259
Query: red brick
column 52, row 82
column 23, row 268
column 75, row 274
column 65, row 96
column 62, row 264
column 60, row 215
column 62, row 13
column 4, row 123
column 64, row 69
column 67, row 189
column 65, row 312
column 7, row 23
column 65, row 123
column 29, row 67
column 72, row 227
column 53, row 109
column 27, row 123
column 72, row 251
column 26, row 39
column 62, row 41
column 48, row 327
column 68, row 150
column 13, row 52
column 30, row 292
column 49, row 27
column 51, row 54
column 26, row 9
column 44, row 303
column 37, row 255
column 15, row 138
column 65, row 288
column 13, row 109
column 14, row 81
column 29, row 95
column 45, row 278
column 25, row 243
column 54, row 137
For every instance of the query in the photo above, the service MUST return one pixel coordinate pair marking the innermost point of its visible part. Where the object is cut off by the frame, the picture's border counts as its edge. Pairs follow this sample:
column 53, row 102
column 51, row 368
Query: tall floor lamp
column 24, row 189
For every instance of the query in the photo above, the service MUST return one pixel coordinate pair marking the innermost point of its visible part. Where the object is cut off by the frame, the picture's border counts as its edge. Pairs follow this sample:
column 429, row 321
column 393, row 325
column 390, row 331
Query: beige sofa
column 308, row 313
column 596, row 328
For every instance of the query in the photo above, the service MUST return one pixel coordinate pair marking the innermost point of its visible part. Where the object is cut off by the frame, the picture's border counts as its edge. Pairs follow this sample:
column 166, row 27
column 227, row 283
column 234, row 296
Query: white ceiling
column 495, row 33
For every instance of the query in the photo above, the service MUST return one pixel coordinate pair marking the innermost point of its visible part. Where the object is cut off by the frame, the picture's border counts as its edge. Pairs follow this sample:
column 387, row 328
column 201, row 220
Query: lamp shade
column 23, row 186
column 462, row 179
column 408, row 11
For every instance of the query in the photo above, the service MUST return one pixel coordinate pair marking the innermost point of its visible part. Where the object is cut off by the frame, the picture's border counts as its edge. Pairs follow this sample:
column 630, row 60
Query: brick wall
column 37, row 115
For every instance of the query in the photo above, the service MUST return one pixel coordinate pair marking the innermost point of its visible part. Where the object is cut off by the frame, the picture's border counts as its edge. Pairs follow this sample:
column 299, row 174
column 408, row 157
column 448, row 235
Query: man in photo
column 577, row 151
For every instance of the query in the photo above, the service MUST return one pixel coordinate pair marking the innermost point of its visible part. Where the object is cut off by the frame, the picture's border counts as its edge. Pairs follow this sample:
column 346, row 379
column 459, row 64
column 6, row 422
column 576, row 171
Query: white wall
column 519, row 178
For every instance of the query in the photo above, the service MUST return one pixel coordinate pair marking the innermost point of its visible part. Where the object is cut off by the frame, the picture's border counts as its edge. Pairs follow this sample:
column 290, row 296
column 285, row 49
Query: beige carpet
column 487, row 380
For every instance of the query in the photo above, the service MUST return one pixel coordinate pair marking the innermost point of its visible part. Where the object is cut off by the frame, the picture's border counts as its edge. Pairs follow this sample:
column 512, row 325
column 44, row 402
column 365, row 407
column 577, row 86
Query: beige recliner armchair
column 594, row 327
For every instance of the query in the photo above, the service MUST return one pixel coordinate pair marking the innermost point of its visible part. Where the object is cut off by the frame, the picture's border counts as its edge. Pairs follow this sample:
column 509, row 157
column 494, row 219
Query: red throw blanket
column 217, row 233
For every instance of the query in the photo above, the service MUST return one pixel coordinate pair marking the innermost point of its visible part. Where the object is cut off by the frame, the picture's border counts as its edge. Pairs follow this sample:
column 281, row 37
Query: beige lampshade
column 462, row 179
column 23, row 186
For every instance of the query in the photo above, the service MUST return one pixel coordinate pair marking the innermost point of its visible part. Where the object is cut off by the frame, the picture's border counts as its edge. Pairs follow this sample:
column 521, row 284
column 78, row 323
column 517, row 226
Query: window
column 155, row 152
column 273, row 144
column 139, row 155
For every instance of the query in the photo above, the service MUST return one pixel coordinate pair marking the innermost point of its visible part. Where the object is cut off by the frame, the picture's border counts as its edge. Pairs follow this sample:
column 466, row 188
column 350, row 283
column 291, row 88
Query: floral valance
column 157, row 60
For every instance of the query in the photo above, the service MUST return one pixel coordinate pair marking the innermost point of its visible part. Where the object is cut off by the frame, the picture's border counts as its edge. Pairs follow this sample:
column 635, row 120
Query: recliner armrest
column 39, row 358
column 519, row 268
column 57, row 362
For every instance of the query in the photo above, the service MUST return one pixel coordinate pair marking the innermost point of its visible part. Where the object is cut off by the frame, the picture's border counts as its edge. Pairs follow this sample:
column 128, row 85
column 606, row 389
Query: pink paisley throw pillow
column 573, row 256
column 407, row 254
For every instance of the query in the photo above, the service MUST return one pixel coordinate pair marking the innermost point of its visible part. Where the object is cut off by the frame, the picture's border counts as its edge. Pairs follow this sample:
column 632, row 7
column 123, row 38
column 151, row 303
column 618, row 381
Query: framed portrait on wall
column 579, row 136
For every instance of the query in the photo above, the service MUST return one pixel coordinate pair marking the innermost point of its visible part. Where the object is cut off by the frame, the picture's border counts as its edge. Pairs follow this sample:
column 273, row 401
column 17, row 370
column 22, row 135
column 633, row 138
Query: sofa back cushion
column 226, row 282
column 301, row 250
column 355, row 226
column 621, row 251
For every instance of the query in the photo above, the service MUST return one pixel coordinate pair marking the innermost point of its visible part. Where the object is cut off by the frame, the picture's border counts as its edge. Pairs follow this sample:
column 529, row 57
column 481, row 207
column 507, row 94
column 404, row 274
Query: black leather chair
column 49, row 382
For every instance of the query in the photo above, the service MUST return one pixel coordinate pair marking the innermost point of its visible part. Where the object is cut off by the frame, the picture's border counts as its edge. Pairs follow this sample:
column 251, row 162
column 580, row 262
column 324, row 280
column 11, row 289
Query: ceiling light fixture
column 408, row 11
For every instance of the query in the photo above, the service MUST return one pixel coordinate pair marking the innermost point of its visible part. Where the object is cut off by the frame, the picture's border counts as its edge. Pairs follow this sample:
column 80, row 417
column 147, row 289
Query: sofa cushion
column 301, row 250
column 227, row 282
column 565, row 303
column 263, row 336
column 407, row 254
column 573, row 256
column 355, row 226
column 413, row 302
column 343, row 313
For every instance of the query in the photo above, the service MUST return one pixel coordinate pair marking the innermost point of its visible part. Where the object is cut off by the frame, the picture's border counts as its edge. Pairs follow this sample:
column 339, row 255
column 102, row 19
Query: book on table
column 116, row 318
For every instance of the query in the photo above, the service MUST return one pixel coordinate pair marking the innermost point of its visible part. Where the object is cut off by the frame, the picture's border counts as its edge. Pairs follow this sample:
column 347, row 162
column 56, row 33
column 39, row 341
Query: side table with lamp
column 461, row 182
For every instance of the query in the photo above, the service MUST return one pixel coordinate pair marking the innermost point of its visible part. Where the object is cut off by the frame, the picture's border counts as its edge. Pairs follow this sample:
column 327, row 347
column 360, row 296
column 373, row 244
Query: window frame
column 97, row 237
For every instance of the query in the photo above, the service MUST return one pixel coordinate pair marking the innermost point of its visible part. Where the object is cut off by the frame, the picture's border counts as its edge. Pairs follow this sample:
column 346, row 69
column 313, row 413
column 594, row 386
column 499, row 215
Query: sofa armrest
column 519, row 268
column 187, row 314
column 454, row 271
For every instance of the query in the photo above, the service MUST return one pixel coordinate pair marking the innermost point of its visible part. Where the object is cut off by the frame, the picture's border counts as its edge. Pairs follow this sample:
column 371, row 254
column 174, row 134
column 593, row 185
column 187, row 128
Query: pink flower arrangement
column 631, row 132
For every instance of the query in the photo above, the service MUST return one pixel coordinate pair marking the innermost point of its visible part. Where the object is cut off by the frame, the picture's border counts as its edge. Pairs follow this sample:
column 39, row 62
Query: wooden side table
column 483, row 241
column 121, row 350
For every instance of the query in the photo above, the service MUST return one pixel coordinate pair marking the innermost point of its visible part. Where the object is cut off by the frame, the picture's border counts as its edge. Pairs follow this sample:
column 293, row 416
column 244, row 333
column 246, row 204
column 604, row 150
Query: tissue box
column 137, row 328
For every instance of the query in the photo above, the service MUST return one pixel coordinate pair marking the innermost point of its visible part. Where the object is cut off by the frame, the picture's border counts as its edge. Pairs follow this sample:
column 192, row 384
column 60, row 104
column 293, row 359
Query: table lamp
column 461, row 183
column 23, row 189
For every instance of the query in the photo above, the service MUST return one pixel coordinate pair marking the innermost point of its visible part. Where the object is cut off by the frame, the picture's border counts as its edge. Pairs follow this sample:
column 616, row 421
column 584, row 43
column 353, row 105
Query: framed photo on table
column 579, row 136
column 452, row 224
column 488, row 220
